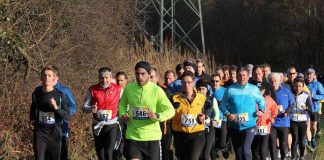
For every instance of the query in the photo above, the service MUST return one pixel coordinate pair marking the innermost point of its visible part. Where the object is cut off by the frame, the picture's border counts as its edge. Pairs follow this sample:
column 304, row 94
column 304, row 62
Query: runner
column 102, row 100
column 47, row 111
column 169, row 77
column 232, row 76
column 72, row 107
column 179, row 70
column 212, row 112
column 221, row 137
column 266, row 70
column 188, row 122
column 260, row 143
column 226, row 77
column 176, row 86
column 165, row 125
column 219, row 71
column 201, row 70
column 250, row 69
column 317, row 94
column 143, row 105
column 299, row 118
column 121, row 79
column 280, row 128
column 257, row 77
column 238, row 104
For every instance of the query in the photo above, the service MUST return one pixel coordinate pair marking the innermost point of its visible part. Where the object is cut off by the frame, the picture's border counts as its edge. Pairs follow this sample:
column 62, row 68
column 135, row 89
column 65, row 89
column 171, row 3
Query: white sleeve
column 87, row 103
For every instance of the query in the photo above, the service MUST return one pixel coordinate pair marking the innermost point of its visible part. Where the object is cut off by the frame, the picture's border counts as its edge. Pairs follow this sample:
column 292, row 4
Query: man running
column 102, row 100
column 280, row 128
column 239, row 106
column 48, row 109
column 317, row 94
column 143, row 105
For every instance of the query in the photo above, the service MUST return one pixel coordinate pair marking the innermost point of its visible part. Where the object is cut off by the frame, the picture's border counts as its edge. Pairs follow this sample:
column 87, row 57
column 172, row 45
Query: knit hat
column 143, row 64
column 191, row 64
column 202, row 83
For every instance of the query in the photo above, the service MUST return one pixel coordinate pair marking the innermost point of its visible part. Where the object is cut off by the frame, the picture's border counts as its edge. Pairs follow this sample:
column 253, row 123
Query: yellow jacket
column 185, row 118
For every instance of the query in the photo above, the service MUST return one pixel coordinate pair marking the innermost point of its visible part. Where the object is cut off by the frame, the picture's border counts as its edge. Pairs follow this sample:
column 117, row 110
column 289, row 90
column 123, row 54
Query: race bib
column 104, row 115
column 297, row 117
column 140, row 113
column 262, row 130
column 242, row 118
column 280, row 108
column 46, row 117
column 207, row 122
column 189, row 120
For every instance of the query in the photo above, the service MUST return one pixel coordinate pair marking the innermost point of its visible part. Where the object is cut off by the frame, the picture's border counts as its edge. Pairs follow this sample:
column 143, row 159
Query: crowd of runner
column 248, row 110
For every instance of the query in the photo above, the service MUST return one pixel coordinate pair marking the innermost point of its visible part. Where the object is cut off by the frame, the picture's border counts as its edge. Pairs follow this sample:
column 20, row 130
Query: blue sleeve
column 71, row 102
column 69, row 99
column 260, row 100
column 292, row 102
column 225, row 103
column 319, row 95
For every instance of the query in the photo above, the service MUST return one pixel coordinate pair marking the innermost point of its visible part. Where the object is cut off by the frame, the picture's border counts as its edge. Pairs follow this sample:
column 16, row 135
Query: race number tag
column 280, row 108
column 242, row 118
column 262, row 130
column 140, row 113
column 46, row 117
column 104, row 115
column 297, row 117
column 207, row 122
column 189, row 120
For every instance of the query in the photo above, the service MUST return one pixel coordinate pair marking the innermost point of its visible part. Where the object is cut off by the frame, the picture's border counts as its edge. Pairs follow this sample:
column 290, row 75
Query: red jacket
column 270, row 113
column 106, row 99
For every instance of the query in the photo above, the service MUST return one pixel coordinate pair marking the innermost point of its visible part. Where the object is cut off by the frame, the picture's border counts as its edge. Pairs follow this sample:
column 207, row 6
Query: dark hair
column 266, row 65
column 256, row 67
column 104, row 69
column 233, row 68
column 121, row 73
column 179, row 67
column 188, row 74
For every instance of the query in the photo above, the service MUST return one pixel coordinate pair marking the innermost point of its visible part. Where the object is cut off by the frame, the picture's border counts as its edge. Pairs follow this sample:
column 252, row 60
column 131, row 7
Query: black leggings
column 260, row 147
column 210, row 138
column 221, row 136
column 166, row 140
column 282, row 134
column 298, row 133
column 49, row 141
column 189, row 145
column 105, row 142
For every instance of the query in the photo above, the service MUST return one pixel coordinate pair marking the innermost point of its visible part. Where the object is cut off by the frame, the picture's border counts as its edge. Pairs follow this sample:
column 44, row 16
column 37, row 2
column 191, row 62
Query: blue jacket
column 317, row 90
column 283, row 97
column 239, row 99
column 218, row 95
column 70, row 103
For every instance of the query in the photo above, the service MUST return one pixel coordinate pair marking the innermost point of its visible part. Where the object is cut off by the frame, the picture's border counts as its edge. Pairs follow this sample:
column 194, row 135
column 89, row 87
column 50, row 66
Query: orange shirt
column 270, row 113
